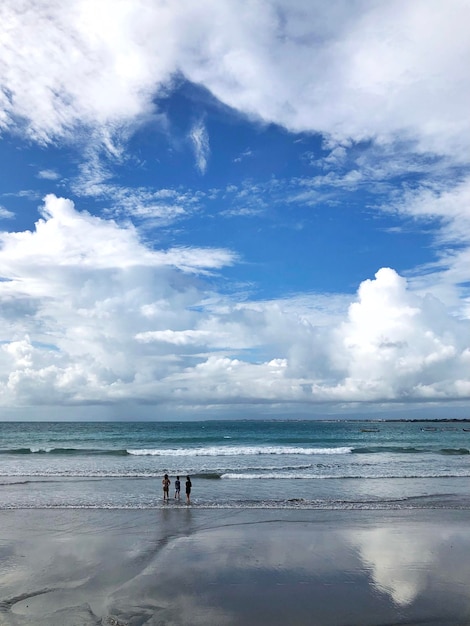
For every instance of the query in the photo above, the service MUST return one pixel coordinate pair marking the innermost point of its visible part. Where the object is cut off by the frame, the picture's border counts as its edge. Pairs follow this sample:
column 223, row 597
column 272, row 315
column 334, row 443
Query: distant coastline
column 418, row 420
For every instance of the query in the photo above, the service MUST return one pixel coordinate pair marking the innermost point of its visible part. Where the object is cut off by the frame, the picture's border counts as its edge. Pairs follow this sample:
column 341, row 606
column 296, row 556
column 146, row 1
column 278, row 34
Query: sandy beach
column 190, row 566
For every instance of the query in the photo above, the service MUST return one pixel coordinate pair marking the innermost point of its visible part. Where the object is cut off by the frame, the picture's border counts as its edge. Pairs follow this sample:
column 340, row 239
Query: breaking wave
column 238, row 451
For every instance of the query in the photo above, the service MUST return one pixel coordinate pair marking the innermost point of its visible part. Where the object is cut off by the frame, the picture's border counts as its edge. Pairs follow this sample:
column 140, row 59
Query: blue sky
column 234, row 209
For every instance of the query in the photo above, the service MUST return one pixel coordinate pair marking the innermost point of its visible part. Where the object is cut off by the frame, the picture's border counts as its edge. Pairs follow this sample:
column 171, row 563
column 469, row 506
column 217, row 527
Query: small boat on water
column 369, row 430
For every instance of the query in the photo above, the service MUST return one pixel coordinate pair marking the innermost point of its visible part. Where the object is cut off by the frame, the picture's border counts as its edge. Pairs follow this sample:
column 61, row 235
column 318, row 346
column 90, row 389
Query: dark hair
column 166, row 475
column 177, row 478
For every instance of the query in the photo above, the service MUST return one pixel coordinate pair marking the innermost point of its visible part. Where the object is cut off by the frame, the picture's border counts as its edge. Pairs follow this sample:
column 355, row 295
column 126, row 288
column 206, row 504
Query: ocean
column 236, row 464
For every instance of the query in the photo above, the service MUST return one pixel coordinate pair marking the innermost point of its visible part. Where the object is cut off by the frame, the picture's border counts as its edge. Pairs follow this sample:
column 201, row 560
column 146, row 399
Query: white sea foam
column 271, row 476
column 238, row 451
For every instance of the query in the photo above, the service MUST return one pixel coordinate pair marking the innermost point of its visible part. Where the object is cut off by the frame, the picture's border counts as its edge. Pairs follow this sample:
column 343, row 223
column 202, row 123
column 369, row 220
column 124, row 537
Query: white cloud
column 361, row 70
column 447, row 207
column 92, row 315
column 450, row 204
column 200, row 140
column 246, row 154
column 67, row 238
column 73, row 297
column 5, row 214
column 48, row 174
column 65, row 65
column 177, row 338
column 157, row 207
column 398, row 345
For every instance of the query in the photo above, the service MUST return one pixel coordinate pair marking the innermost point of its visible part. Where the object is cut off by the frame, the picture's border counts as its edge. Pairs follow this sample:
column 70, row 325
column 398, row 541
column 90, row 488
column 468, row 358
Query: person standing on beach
column 177, row 488
column 188, row 490
column 166, row 487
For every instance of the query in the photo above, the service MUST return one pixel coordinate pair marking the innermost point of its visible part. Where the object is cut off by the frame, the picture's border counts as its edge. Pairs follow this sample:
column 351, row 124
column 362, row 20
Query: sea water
column 236, row 464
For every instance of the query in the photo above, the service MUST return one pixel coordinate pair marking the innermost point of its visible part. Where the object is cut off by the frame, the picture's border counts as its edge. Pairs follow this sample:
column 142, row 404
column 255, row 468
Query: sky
column 234, row 209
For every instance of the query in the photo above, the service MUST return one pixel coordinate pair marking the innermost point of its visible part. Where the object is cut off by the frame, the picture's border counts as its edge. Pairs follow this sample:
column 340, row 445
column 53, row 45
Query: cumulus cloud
column 91, row 314
column 73, row 296
column 396, row 344
column 68, row 238
column 361, row 70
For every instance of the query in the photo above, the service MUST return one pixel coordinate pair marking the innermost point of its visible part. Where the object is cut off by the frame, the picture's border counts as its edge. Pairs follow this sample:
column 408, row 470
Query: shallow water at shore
column 134, row 493
column 246, row 464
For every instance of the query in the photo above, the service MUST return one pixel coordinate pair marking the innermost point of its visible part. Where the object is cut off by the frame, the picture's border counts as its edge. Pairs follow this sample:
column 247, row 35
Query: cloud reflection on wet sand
column 250, row 567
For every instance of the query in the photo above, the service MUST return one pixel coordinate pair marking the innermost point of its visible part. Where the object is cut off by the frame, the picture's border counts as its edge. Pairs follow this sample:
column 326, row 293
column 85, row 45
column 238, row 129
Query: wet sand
column 191, row 566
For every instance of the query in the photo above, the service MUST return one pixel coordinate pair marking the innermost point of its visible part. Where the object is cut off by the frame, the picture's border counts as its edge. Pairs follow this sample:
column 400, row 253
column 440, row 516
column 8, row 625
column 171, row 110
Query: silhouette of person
column 188, row 490
column 177, row 488
column 166, row 487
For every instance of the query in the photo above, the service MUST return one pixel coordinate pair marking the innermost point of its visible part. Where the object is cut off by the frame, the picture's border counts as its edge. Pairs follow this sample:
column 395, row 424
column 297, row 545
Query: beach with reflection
column 194, row 566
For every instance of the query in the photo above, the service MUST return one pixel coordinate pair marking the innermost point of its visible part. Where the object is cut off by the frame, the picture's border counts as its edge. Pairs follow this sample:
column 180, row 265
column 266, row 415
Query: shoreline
column 192, row 566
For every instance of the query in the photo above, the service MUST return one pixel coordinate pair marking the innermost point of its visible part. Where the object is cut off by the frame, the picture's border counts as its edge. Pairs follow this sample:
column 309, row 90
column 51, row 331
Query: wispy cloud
column 157, row 206
column 5, row 214
column 48, row 175
column 200, row 141
column 246, row 154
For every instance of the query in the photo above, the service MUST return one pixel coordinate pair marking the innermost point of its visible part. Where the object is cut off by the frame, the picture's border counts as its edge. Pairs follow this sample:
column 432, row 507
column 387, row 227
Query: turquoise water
column 237, row 464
